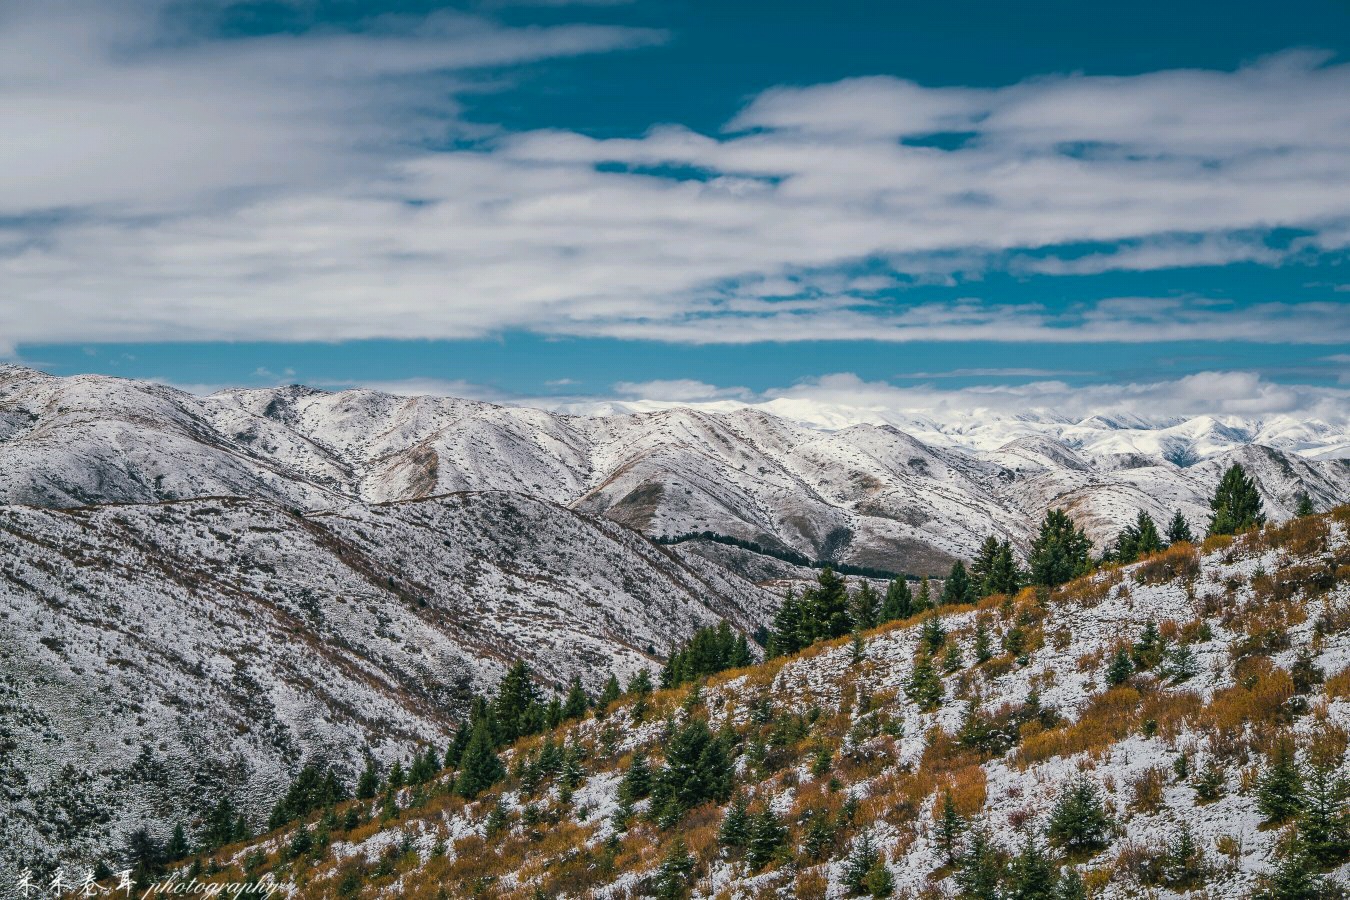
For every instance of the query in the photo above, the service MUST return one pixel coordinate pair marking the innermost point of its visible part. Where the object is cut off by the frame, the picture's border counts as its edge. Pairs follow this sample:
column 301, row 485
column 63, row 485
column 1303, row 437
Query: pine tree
column 1147, row 539
column 859, row 863
column 1120, row 669
column 931, row 633
column 516, row 696
column 824, row 609
column 144, row 856
column 640, row 685
column 1005, row 577
column 480, row 768
column 676, row 871
column 982, row 566
column 1293, row 878
column 984, row 647
column 1060, row 552
column 866, row 608
column 219, row 829
column 785, row 635
column 1324, row 825
column 1279, row 792
column 958, row 588
column 368, row 785
column 1209, row 783
column 766, row 838
column 1181, row 664
column 698, row 768
column 1236, row 504
column 1032, row 874
column 1147, row 652
column 924, row 601
column 1183, row 862
column 879, row 882
column 1071, row 885
column 1179, row 530
column 637, row 781
column 924, row 688
column 1304, row 505
column 899, row 602
column 177, row 848
column 577, row 702
column 734, row 832
column 952, row 659
column 397, row 777
column 980, row 869
column 1078, row 821
column 608, row 694
column 949, row 828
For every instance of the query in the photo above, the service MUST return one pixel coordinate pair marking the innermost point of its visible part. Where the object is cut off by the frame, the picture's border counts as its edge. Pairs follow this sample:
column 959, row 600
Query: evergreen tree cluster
column 1236, row 505
column 712, row 649
column 994, row 570
column 826, row 610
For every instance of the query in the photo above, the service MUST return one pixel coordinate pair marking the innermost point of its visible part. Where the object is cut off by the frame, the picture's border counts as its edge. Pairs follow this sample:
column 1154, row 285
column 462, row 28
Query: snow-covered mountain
column 871, row 493
column 157, row 657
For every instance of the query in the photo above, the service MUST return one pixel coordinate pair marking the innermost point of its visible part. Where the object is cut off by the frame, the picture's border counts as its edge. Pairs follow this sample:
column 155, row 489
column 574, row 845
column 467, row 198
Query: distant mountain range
column 908, row 495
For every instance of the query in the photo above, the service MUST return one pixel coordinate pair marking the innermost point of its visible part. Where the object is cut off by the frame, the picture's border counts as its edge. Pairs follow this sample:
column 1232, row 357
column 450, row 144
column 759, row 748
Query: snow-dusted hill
column 870, row 494
column 156, row 657
column 1251, row 653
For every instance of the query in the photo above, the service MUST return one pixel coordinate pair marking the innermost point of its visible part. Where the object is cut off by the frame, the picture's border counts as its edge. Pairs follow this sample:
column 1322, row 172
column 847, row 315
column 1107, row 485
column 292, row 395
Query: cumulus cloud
column 171, row 187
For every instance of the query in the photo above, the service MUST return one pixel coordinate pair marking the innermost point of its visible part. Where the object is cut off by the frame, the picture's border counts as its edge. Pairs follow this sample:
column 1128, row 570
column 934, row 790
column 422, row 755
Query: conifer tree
column 516, row 696
column 577, row 702
column 949, row 828
column 1179, row 530
column 1183, row 862
column 1304, row 505
column 734, row 832
column 637, row 781
column 1147, row 652
column 1004, row 578
column 766, row 837
column 1324, row 825
column 1236, row 504
column 931, row 633
column 924, row 600
column 640, row 685
column 608, row 694
column 899, row 602
column 983, row 645
column 982, row 566
column 981, row 867
column 1060, row 552
column 368, row 785
column 1209, row 782
column 824, row 609
column 1293, row 878
column 1120, row 669
column 1078, row 821
column 866, row 608
column 480, row 768
column 177, row 848
column 220, row 825
column 1071, row 885
column 958, row 588
column 397, row 777
column 860, row 862
column 1279, row 792
column 924, row 688
column 785, row 634
column 698, row 768
column 674, row 875
column 879, row 882
column 1032, row 873
column 144, row 856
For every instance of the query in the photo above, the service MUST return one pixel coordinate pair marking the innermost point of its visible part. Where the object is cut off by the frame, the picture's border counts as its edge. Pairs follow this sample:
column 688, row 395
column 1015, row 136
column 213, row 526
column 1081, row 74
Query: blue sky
column 685, row 201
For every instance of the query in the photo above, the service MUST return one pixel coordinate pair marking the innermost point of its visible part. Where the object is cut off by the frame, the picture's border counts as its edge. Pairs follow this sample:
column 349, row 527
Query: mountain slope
column 156, row 657
column 835, row 744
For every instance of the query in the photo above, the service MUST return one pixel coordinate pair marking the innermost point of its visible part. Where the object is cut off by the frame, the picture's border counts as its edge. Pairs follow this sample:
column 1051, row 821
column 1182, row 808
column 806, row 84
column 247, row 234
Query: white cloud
column 280, row 188
column 680, row 390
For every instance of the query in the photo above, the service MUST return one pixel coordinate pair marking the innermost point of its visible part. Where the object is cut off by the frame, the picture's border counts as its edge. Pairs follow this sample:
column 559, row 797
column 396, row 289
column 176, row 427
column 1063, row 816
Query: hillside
column 843, row 757
column 869, row 494
column 155, row 658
